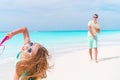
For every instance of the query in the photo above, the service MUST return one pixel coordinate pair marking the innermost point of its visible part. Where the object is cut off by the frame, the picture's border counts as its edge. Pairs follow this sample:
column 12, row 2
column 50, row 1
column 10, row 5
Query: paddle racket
column 2, row 47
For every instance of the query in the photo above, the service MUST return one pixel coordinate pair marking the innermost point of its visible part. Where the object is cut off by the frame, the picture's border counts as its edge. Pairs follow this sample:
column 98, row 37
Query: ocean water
column 56, row 41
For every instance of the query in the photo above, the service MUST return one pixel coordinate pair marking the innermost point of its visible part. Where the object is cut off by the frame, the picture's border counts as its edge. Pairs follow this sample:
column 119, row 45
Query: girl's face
column 29, row 49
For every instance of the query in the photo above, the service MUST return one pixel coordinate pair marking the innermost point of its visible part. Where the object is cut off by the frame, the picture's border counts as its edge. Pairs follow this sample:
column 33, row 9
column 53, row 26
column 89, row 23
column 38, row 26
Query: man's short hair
column 95, row 15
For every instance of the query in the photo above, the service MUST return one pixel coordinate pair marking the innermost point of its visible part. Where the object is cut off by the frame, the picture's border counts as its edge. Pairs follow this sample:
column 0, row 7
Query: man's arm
column 97, row 30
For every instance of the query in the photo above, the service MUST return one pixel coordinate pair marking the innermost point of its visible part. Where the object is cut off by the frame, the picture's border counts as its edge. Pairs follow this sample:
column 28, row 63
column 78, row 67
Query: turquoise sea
column 56, row 41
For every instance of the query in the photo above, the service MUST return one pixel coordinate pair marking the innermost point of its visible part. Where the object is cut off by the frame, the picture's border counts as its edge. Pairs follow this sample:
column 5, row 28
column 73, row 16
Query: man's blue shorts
column 92, row 42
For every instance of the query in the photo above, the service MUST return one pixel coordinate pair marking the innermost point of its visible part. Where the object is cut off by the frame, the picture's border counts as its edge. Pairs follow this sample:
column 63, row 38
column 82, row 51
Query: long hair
column 35, row 66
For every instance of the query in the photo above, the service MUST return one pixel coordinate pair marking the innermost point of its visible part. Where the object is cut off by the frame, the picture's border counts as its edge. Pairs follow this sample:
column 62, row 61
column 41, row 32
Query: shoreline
column 56, row 51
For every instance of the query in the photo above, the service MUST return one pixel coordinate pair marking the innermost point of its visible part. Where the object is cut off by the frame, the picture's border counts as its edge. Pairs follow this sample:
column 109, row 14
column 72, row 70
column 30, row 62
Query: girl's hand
column 10, row 35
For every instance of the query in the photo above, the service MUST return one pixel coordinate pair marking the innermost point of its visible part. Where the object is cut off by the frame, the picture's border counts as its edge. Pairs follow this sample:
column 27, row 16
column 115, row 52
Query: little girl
column 32, row 61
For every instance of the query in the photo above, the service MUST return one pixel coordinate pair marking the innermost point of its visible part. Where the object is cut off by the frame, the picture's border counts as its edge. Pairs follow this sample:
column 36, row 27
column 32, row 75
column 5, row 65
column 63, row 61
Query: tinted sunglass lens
column 31, row 44
column 30, row 50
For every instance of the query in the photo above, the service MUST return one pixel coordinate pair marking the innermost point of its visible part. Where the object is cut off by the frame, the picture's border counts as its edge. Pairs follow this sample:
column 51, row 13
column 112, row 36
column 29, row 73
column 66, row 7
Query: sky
column 49, row 15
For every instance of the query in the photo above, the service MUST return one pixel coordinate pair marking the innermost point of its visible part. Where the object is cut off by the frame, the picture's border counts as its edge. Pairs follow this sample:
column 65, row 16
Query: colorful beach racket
column 2, row 47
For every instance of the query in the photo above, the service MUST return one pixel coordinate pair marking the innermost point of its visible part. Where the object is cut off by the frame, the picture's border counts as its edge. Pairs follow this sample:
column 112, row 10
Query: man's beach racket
column 2, row 47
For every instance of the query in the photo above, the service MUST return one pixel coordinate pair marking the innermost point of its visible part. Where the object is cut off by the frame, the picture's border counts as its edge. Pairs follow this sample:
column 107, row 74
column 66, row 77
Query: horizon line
column 67, row 30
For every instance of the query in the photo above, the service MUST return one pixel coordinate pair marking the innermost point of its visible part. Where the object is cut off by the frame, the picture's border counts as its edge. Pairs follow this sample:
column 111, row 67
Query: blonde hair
column 35, row 66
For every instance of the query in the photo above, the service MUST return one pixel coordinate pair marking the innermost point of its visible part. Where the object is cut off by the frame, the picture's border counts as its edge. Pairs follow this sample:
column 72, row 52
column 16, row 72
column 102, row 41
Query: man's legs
column 90, row 40
column 95, row 45
column 90, row 53
column 96, row 54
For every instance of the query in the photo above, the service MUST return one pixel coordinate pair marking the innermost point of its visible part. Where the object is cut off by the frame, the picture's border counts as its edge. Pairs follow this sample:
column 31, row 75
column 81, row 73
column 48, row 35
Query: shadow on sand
column 109, row 58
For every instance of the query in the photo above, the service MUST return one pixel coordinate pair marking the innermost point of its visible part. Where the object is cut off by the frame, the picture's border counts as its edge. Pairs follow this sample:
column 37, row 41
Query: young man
column 93, row 30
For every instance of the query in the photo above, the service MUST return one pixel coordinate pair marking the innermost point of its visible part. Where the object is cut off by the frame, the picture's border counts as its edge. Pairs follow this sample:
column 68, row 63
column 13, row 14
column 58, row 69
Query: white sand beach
column 75, row 65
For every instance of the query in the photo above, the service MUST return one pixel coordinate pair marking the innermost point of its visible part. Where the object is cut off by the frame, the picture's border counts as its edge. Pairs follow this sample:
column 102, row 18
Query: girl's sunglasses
column 30, row 48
